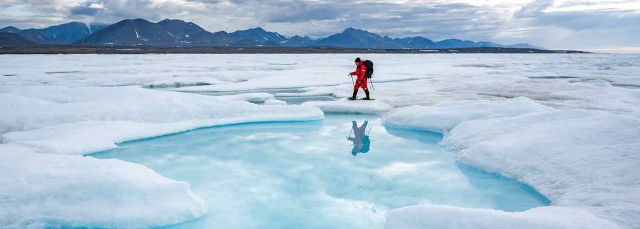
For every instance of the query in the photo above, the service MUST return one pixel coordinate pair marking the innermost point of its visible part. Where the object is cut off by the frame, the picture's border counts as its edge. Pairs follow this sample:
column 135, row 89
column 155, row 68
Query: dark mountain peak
column 357, row 38
column 180, row 27
column 10, row 29
column 262, row 36
column 73, row 23
column 167, row 20
column 352, row 30
column 133, row 21
column 127, row 22
column 361, row 34
column 140, row 20
column 297, row 41
column 257, row 29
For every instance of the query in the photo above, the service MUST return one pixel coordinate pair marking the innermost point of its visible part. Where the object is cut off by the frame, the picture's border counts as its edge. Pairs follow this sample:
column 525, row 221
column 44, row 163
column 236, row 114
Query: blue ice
column 324, row 174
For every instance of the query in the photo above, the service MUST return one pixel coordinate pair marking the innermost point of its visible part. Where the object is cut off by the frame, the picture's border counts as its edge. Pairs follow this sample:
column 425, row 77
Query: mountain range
column 178, row 33
column 60, row 34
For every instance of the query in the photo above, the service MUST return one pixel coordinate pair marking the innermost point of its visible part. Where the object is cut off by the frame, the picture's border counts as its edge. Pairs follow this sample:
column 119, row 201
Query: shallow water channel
column 318, row 174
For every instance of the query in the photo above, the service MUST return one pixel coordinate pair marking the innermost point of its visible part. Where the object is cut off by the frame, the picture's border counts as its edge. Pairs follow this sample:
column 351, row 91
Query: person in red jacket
column 361, row 81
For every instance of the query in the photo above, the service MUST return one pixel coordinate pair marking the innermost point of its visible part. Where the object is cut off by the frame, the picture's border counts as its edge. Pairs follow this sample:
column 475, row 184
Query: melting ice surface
column 304, row 175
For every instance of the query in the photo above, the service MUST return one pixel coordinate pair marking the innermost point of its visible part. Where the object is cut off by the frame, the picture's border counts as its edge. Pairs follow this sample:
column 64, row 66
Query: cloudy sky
column 557, row 24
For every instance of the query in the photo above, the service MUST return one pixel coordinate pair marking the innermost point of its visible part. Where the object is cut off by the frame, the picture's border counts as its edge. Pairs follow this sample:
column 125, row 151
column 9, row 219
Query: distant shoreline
column 82, row 49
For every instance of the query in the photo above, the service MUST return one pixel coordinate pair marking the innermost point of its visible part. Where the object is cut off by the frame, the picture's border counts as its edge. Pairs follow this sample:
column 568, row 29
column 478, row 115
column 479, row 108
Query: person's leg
column 365, row 89
column 365, row 124
column 355, row 89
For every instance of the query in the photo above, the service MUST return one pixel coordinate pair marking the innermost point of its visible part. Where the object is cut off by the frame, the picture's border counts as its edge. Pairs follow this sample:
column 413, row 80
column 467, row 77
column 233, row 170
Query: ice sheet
column 41, row 189
column 58, row 105
column 577, row 158
column 591, row 81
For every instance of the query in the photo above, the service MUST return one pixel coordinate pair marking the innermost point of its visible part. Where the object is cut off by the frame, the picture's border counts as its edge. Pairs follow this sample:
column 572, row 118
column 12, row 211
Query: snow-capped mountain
column 70, row 32
column 413, row 42
column 298, row 41
column 180, row 33
column 262, row 36
column 59, row 34
column 164, row 33
column 356, row 38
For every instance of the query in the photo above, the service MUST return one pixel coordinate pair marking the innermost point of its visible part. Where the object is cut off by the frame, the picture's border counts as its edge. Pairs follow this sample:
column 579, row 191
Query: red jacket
column 361, row 69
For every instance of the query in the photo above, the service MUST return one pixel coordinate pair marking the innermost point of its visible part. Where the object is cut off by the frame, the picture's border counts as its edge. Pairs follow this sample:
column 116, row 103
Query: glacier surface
column 564, row 124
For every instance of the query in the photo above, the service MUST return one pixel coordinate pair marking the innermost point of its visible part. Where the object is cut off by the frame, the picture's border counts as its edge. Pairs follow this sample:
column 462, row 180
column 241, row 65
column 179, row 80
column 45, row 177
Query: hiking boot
column 351, row 98
column 366, row 98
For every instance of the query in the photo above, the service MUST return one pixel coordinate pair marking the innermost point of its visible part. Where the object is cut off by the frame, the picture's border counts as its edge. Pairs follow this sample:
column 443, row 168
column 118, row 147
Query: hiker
column 361, row 141
column 361, row 80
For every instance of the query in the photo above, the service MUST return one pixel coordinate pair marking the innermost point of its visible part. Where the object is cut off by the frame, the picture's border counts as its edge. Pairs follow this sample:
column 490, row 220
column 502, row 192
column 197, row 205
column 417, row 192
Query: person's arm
column 362, row 70
column 355, row 72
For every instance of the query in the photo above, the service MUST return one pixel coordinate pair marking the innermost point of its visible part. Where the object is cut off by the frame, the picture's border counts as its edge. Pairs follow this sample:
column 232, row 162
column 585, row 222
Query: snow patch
column 431, row 216
column 248, row 97
column 443, row 117
column 351, row 106
column 51, row 191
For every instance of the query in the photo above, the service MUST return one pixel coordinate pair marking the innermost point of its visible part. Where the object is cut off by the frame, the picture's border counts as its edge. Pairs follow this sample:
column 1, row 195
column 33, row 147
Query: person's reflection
column 361, row 141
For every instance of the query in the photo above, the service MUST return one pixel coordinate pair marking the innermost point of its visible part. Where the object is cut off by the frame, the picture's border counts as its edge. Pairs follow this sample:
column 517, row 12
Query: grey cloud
column 533, row 8
column 433, row 19
column 85, row 9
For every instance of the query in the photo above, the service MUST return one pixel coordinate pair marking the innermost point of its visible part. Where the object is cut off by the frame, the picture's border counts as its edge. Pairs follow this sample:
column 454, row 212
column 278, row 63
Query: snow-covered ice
column 443, row 117
column 51, row 191
column 564, row 124
column 249, row 97
column 82, row 120
column 346, row 106
column 576, row 158
column 448, row 217
column 41, row 189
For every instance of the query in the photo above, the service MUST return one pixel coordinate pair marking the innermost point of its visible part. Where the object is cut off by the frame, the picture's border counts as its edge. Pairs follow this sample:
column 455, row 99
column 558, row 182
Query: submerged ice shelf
column 304, row 175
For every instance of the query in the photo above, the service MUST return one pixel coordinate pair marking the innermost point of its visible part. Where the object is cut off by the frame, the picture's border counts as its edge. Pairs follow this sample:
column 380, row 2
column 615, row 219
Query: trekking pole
column 372, row 88
column 370, row 127
column 349, row 133
column 353, row 83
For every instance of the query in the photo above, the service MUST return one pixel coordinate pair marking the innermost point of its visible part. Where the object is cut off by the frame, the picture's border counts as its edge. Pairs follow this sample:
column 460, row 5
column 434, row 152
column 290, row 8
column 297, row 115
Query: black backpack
column 369, row 65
